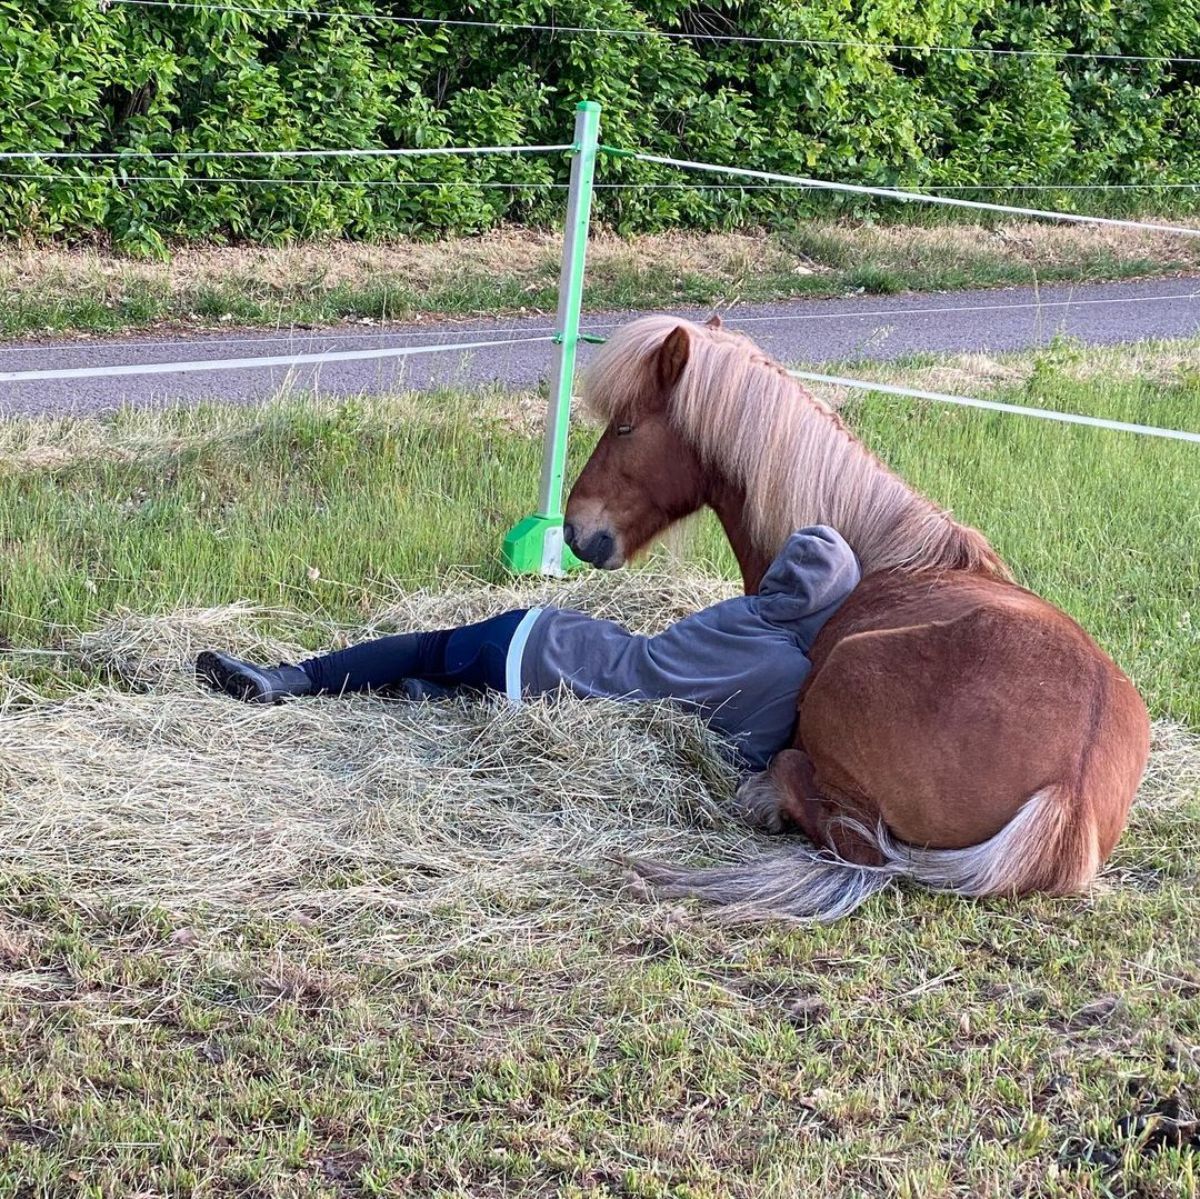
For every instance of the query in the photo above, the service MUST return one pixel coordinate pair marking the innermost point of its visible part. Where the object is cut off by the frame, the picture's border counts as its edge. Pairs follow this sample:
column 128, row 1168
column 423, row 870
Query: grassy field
column 46, row 291
column 367, row 949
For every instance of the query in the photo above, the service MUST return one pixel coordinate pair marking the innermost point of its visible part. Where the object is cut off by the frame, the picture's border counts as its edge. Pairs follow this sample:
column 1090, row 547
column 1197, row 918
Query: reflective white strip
column 516, row 651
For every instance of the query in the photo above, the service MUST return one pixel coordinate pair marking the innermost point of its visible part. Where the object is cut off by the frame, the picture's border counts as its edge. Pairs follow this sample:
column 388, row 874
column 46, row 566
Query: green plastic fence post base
column 535, row 547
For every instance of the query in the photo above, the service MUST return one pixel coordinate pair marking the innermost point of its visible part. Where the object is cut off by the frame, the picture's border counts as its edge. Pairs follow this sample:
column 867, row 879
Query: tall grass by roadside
column 62, row 291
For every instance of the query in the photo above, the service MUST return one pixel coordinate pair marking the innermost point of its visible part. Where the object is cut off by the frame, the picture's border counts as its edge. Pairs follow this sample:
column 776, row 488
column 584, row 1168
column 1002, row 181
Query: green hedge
column 155, row 79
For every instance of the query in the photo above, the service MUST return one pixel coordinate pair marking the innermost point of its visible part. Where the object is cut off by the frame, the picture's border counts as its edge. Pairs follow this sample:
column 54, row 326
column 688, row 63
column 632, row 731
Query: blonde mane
column 794, row 459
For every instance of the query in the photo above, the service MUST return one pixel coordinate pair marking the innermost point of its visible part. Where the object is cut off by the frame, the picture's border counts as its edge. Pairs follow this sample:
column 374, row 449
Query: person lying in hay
column 740, row 663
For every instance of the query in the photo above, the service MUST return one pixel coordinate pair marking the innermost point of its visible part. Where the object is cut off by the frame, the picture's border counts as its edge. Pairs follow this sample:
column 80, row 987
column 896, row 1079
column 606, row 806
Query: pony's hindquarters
column 984, row 747
column 995, row 743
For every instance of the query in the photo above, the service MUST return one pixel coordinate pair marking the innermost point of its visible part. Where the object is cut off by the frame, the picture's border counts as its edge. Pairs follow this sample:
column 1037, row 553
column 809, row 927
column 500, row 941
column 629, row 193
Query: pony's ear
column 673, row 357
column 714, row 321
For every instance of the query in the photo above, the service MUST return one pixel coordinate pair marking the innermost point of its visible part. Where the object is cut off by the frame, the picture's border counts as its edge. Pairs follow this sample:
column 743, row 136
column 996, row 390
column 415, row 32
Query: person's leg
column 473, row 656
column 372, row 665
column 476, row 655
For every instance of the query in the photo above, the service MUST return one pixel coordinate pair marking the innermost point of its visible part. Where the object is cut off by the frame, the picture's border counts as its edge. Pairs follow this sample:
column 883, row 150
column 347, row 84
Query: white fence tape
column 223, row 364
column 891, row 193
column 315, row 181
column 231, row 364
column 269, row 181
column 1068, row 418
column 147, row 155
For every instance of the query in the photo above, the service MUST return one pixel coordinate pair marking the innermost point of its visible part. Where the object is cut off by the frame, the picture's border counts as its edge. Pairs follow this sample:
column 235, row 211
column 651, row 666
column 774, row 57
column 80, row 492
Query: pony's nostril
column 596, row 550
column 569, row 534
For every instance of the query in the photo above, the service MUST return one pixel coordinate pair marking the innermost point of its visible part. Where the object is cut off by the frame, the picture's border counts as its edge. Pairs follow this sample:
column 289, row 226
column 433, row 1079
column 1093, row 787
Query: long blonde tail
column 1045, row 847
column 1042, row 848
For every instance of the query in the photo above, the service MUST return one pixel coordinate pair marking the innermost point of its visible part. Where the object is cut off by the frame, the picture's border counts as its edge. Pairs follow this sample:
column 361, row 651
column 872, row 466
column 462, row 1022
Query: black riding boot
column 254, row 684
column 271, row 685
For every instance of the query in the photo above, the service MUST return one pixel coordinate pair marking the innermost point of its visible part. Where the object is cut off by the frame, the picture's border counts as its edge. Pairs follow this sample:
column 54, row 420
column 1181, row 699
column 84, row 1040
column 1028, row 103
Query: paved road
column 808, row 331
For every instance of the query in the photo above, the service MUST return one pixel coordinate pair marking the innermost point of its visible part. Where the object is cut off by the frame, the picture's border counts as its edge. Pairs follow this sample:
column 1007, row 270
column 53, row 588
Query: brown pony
column 956, row 728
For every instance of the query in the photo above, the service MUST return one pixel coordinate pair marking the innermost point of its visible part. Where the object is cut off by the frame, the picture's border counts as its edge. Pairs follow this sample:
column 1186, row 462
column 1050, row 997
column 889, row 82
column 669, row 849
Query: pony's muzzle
column 598, row 549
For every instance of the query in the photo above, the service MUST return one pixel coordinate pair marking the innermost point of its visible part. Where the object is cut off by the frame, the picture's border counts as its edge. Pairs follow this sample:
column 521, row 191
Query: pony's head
column 696, row 415
column 642, row 476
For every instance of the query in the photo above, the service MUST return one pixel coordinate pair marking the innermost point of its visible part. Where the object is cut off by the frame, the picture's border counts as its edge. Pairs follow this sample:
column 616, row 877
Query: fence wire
column 697, row 36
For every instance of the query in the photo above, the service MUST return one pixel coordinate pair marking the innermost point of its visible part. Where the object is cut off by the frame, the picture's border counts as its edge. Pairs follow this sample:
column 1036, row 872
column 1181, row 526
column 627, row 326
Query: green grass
column 925, row 1047
column 253, row 509
column 216, row 505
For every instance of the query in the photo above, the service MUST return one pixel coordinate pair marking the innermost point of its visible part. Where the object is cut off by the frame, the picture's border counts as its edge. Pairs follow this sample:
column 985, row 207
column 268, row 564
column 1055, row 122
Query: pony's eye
column 624, row 430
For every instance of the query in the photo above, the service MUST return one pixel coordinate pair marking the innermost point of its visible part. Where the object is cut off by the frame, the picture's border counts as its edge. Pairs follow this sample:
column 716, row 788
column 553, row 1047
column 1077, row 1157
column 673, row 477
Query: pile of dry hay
column 343, row 811
column 376, row 819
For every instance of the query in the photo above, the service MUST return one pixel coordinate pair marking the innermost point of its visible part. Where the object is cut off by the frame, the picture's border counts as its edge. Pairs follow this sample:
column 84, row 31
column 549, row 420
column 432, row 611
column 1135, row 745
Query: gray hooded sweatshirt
column 741, row 663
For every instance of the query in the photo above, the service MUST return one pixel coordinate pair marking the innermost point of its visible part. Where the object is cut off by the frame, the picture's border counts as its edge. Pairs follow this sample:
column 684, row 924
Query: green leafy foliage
column 877, row 108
